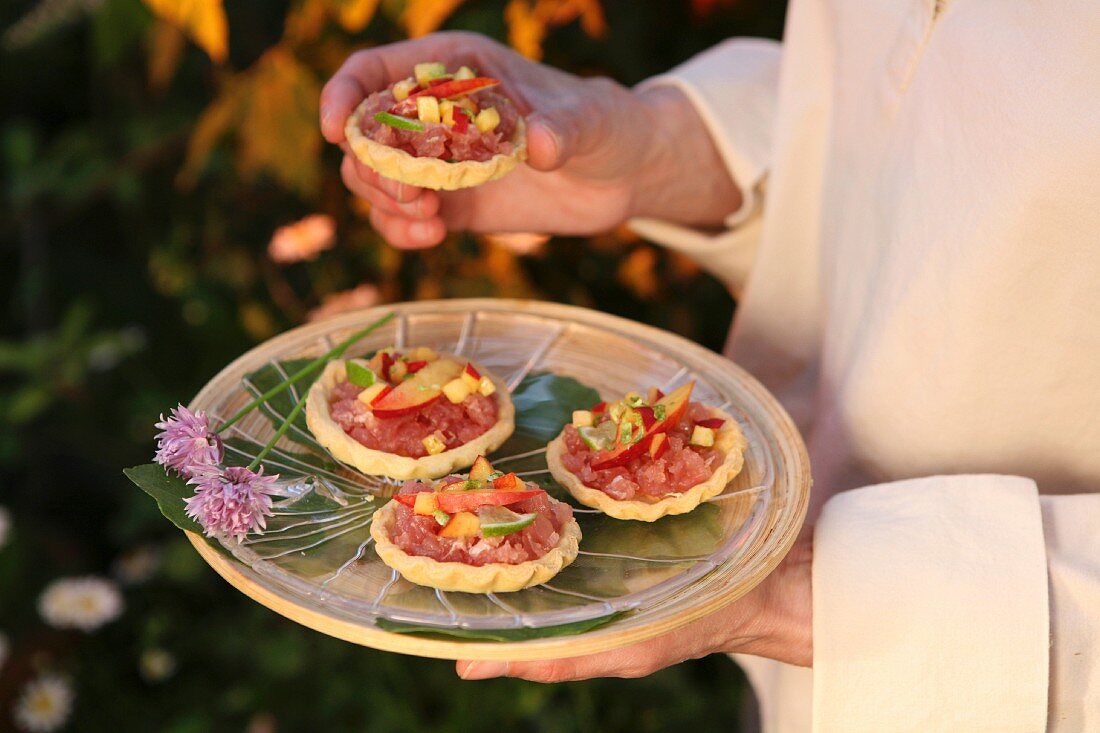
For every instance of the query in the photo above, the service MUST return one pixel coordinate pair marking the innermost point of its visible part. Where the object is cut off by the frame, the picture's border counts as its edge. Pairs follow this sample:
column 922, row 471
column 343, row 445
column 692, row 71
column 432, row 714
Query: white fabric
column 880, row 553
column 924, row 298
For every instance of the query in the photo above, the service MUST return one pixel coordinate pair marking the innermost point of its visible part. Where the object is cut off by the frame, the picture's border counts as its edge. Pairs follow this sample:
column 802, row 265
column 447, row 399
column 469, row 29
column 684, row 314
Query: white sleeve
column 957, row 603
column 733, row 87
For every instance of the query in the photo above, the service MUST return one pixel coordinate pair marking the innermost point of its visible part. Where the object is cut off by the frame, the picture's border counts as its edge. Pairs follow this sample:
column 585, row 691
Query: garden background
column 154, row 154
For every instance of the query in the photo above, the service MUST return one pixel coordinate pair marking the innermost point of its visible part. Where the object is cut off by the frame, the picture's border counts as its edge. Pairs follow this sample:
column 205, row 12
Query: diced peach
column 471, row 376
column 658, row 444
column 486, row 120
column 508, row 482
column 423, row 353
column 403, row 88
column 427, row 109
column 583, row 419
column 486, row 387
column 653, row 395
column 481, row 469
column 425, row 503
column 398, row 371
column 462, row 524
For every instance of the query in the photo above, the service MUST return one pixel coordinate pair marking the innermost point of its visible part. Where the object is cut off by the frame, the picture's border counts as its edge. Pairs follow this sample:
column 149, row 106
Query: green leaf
column 578, row 627
column 545, row 403
column 169, row 492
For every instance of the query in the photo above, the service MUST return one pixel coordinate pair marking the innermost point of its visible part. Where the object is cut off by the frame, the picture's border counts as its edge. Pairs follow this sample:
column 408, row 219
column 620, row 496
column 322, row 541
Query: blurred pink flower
column 186, row 442
column 361, row 296
column 232, row 502
column 302, row 240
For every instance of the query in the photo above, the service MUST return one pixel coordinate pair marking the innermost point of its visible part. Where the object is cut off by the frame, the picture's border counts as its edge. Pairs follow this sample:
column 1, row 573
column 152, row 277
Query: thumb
column 555, row 137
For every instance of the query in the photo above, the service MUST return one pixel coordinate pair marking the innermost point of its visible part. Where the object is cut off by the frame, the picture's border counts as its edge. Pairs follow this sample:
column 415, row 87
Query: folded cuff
column 931, row 607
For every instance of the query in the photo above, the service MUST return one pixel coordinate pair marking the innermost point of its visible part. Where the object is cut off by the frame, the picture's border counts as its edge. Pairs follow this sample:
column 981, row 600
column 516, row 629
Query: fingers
column 366, row 183
column 405, row 233
column 637, row 660
column 576, row 125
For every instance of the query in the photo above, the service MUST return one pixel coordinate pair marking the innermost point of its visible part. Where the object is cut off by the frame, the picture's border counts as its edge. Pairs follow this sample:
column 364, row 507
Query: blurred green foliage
column 142, row 184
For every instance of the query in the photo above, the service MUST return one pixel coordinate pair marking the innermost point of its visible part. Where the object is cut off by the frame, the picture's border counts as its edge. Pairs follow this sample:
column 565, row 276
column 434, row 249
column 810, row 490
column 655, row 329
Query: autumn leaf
column 422, row 17
column 272, row 108
column 165, row 48
column 354, row 15
column 202, row 20
column 528, row 24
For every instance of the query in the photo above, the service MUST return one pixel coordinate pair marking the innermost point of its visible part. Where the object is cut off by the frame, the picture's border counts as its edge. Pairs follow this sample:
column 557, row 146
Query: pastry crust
column 729, row 440
column 495, row 577
column 379, row 463
column 433, row 173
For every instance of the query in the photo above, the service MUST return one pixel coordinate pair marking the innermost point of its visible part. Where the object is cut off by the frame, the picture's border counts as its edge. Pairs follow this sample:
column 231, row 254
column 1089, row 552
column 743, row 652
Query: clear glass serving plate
column 631, row 581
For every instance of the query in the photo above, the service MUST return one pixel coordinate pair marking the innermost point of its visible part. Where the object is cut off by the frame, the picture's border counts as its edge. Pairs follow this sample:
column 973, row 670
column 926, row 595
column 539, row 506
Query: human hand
column 774, row 620
column 598, row 153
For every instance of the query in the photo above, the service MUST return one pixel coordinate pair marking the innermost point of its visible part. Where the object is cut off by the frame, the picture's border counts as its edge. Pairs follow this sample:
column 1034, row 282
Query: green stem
column 305, row 371
column 279, row 433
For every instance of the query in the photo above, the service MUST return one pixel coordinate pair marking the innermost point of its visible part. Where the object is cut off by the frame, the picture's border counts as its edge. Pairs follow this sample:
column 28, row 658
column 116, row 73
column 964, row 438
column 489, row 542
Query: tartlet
column 488, row 532
column 643, row 459
column 413, row 414
column 438, row 130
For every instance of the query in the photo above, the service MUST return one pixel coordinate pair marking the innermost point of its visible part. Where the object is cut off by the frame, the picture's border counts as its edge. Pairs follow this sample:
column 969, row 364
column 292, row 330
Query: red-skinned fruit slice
column 481, row 470
column 456, row 87
column 462, row 121
column 414, row 366
column 468, row 501
column 675, row 404
column 598, row 408
column 653, row 395
column 658, row 444
column 712, row 422
column 387, row 363
column 648, row 418
column 381, row 395
column 401, row 401
column 472, row 372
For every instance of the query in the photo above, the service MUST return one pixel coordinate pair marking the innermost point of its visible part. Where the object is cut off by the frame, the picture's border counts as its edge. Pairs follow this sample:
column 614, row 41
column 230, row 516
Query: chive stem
column 305, row 371
column 279, row 433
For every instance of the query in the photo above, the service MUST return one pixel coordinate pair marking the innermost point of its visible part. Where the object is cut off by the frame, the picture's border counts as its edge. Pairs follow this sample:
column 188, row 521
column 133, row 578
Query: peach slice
column 675, row 405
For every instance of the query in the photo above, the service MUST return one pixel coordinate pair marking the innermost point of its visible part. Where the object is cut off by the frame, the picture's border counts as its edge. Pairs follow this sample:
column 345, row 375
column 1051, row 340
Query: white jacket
column 918, row 274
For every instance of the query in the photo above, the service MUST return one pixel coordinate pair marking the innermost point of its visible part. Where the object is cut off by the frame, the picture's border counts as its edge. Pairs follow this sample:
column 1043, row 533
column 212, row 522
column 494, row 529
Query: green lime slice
column 601, row 437
column 401, row 123
column 360, row 375
column 498, row 521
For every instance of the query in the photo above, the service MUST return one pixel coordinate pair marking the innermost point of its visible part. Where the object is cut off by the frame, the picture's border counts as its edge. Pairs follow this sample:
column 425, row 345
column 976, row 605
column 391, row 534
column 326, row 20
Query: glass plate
column 316, row 564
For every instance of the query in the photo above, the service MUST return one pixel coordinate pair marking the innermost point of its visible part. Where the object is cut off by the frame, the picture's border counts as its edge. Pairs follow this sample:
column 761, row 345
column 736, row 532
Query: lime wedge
column 601, row 437
column 360, row 375
column 498, row 521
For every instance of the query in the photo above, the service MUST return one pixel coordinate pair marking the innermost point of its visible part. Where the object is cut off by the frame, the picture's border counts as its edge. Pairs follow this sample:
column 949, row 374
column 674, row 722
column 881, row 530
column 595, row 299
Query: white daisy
column 80, row 603
column 5, row 526
column 45, row 704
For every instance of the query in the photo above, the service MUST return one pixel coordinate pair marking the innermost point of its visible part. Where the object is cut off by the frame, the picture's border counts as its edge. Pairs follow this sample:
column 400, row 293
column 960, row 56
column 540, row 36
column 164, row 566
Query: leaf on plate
column 577, row 627
column 545, row 403
column 697, row 533
column 169, row 492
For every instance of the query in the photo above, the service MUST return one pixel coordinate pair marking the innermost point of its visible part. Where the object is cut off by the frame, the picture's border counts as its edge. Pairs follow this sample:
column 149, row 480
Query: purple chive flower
column 232, row 502
column 186, row 442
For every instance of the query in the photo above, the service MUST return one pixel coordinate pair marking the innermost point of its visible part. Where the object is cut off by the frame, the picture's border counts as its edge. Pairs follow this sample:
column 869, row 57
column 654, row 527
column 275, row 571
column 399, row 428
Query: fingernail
column 484, row 670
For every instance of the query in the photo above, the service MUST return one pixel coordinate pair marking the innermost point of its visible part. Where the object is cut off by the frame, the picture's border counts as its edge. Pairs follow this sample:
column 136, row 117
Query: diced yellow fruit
column 368, row 394
column 425, row 72
column 425, row 503
column 487, row 119
column 702, row 436
column 456, row 390
column 486, row 387
column 471, row 381
column 422, row 353
column 434, row 445
column 427, row 109
column 465, row 72
column 583, row 419
column 447, row 112
column 398, row 371
column 403, row 88
column 481, row 469
column 462, row 524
